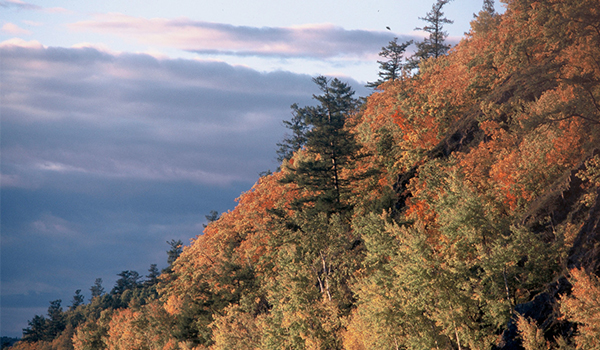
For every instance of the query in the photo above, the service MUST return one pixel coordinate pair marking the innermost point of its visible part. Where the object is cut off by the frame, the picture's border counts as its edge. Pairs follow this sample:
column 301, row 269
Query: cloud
column 107, row 156
column 132, row 116
column 55, row 226
column 19, row 5
column 22, row 5
column 308, row 41
column 11, row 28
column 18, row 42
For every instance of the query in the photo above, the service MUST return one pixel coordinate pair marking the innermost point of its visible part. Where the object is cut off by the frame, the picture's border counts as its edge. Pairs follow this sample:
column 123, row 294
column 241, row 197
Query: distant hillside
column 457, row 207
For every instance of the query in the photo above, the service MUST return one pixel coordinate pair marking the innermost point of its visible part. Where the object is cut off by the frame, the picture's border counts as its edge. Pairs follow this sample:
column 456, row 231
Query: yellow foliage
column 531, row 335
column 583, row 308
column 236, row 329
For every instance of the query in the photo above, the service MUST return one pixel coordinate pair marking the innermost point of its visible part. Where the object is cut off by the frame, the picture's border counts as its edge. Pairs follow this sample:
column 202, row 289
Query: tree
column 294, row 142
column 152, row 277
column 173, row 253
column 213, row 216
column 56, row 319
column 390, row 69
column 488, row 7
column 78, row 299
column 582, row 307
column 315, row 257
column 129, row 280
column 433, row 46
column 46, row 329
column 97, row 289
column 330, row 148
column 37, row 329
column 92, row 335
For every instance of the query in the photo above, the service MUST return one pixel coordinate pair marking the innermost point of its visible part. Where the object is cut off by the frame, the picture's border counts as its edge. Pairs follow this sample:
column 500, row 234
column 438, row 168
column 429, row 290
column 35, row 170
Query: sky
column 124, row 123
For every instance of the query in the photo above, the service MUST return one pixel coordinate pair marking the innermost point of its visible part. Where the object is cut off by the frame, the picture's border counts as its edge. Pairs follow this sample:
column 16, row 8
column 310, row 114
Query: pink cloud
column 315, row 40
column 22, row 5
column 11, row 28
column 19, row 4
column 32, row 44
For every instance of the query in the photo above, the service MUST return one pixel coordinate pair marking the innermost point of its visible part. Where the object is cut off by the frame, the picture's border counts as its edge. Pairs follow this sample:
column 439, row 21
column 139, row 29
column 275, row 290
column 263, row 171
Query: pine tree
column 330, row 148
column 294, row 142
column 97, row 289
column 129, row 280
column 37, row 329
column 78, row 299
column 56, row 322
column 152, row 277
column 433, row 46
column 315, row 258
column 392, row 67
column 173, row 253
column 488, row 7
column 213, row 216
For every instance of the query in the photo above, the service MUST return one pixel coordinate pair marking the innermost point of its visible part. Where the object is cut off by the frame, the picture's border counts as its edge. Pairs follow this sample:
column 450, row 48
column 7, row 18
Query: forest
column 456, row 207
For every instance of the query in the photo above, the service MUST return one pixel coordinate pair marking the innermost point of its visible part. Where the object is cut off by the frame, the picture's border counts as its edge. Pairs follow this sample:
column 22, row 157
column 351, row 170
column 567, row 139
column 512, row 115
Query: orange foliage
column 122, row 333
column 583, row 307
column 146, row 328
column 240, row 236
column 419, row 206
column 516, row 168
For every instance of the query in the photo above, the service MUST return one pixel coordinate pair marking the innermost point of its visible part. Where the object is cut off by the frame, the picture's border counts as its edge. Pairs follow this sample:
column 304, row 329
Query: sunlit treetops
column 456, row 207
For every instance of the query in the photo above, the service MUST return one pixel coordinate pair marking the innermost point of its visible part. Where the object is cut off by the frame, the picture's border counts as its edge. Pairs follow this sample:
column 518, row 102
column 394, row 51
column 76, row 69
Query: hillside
column 458, row 207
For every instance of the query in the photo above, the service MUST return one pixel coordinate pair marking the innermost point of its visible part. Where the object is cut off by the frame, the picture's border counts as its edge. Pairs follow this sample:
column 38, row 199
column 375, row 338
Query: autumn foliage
column 471, row 191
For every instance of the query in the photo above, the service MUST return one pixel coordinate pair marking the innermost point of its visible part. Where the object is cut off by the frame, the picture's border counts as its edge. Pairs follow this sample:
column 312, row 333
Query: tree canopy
column 456, row 208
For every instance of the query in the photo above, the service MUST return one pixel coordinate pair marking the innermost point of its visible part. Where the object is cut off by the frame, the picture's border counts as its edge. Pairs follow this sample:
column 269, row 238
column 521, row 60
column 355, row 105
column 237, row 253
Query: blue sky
column 124, row 123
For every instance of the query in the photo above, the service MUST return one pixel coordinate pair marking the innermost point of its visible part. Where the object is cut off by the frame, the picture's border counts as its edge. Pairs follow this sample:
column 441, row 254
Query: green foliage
column 420, row 220
column 46, row 329
column 152, row 277
column 78, row 299
column 97, row 289
column 213, row 216
column 391, row 69
column 531, row 335
column 453, row 282
column 310, row 293
column 325, row 170
column 433, row 46
column 92, row 334
column 129, row 280
column 37, row 329
column 294, row 142
column 175, row 251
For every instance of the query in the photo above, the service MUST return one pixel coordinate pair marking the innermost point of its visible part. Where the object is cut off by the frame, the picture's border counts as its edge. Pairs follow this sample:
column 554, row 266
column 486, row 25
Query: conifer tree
column 129, row 280
column 152, row 276
column 488, row 7
column 56, row 319
column 173, row 253
column 330, row 148
column 213, row 216
column 295, row 141
column 391, row 68
column 97, row 289
column 37, row 329
column 433, row 46
column 78, row 299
